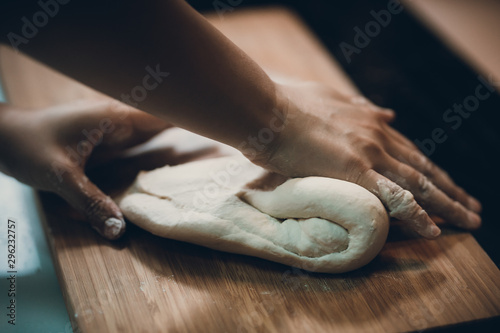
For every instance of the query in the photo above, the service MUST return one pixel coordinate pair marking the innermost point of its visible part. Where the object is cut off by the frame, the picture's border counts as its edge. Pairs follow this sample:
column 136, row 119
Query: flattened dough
column 315, row 223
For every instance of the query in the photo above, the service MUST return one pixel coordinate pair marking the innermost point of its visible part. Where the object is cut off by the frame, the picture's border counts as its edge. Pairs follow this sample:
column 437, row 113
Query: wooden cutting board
column 147, row 284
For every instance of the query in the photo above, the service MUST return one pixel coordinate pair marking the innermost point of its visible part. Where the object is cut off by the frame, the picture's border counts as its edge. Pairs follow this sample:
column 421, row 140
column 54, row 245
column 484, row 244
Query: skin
column 351, row 139
column 34, row 162
column 215, row 89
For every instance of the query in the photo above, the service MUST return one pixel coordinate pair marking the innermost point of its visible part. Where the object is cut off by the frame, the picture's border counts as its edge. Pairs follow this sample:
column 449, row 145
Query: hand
column 333, row 135
column 49, row 148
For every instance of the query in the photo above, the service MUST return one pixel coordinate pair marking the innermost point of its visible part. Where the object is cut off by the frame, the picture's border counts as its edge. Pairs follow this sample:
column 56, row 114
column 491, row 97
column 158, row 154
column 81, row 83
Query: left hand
column 330, row 134
column 49, row 148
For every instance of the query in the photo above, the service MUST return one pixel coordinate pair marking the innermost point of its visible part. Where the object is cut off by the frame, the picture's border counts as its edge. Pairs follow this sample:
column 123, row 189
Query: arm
column 214, row 89
column 202, row 81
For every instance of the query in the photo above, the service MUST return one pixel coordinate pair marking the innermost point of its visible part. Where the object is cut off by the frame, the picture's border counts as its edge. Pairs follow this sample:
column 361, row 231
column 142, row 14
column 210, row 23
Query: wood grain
column 147, row 284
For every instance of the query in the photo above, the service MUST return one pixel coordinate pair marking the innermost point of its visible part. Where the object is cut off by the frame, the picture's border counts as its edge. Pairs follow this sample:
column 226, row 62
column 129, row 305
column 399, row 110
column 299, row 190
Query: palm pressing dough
column 315, row 223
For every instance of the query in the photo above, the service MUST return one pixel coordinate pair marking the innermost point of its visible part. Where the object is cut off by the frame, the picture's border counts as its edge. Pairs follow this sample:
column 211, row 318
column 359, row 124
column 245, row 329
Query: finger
column 143, row 123
column 106, row 122
column 428, row 195
column 435, row 174
column 359, row 100
column 128, row 127
column 400, row 203
column 131, row 126
column 146, row 125
column 83, row 195
column 400, row 138
column 387, row 115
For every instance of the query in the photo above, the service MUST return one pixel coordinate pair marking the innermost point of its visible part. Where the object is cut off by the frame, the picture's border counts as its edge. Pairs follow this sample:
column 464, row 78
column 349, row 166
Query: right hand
column 330, row 134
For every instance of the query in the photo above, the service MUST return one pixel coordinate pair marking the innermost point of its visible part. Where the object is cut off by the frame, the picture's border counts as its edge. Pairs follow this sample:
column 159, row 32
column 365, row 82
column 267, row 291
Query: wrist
column 261, row 147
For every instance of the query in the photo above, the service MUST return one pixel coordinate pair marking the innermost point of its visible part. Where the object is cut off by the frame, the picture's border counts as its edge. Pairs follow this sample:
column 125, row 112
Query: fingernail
column 434, row 231
column 474, row 204
column 474, row 219
column 113, row 228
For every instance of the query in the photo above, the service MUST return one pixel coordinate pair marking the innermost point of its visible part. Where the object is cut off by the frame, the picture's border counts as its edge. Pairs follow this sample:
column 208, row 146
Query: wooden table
column 147, row 284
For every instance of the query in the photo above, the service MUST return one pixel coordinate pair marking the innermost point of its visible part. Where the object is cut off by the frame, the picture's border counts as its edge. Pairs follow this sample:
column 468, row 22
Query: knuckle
column 400, row 202
column 428, row 167
column 425, row 188
column 370, row 147
column 378, row 133
column 404, row 170
column 420, row 161
column 394, row 196
column 356, row 168
column 403, row 205
column 399, row 197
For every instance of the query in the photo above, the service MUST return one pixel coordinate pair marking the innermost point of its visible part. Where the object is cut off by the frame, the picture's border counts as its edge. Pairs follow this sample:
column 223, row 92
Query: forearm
column 212, row 88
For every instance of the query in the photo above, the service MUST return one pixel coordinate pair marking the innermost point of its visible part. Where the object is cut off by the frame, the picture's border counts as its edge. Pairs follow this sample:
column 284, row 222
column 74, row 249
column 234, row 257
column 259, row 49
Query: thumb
column 99, row 209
